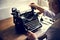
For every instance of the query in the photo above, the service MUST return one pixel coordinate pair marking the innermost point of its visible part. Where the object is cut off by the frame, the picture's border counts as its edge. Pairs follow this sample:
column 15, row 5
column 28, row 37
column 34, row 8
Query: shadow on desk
column 10, row 34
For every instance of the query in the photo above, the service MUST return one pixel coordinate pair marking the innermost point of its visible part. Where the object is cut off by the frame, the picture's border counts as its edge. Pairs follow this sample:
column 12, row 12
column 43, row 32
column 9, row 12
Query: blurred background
column 6, row 5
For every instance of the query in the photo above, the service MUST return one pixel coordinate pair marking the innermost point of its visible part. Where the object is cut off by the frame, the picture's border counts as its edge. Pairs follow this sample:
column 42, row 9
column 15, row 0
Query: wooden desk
column 9, row 34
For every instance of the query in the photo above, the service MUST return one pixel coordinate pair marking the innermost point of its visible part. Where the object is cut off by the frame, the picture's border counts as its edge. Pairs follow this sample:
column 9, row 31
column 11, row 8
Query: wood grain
column 6, row 23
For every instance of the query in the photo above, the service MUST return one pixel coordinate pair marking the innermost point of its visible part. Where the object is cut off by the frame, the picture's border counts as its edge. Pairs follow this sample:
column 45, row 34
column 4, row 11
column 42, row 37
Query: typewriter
column 27, row 21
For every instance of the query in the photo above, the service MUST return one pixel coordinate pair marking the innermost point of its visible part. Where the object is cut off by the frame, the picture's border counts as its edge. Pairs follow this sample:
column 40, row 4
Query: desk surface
column 9, row 34
column 45, row 25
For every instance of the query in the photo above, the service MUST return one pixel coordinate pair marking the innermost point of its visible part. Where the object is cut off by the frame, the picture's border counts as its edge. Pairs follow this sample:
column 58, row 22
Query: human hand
column 33, row 5
column 31, row 36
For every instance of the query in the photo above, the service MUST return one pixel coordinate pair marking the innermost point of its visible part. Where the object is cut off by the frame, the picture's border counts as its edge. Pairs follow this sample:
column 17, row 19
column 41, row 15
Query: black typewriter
column 26, row 21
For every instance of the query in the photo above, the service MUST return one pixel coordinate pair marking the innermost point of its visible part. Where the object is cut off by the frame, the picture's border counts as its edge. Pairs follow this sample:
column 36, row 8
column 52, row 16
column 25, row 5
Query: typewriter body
column 27, row 21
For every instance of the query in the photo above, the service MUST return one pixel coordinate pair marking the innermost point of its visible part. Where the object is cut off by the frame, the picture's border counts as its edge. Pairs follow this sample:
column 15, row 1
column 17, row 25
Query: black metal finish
column 20, row 22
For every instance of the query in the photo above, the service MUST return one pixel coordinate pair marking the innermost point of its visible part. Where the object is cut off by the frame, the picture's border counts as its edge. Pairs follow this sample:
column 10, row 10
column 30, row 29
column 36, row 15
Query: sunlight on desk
column 45, row 25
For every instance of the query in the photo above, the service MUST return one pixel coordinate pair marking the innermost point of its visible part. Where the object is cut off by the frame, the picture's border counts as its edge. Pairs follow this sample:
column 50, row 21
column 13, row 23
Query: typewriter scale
column 25, row 21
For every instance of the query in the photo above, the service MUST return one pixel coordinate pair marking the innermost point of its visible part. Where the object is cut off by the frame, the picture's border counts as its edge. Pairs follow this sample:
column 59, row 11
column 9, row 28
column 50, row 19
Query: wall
column 43, row 3
column 6, row 5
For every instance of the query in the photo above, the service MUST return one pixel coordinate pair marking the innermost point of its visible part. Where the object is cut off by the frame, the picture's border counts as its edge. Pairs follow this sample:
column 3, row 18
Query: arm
column 45, row 12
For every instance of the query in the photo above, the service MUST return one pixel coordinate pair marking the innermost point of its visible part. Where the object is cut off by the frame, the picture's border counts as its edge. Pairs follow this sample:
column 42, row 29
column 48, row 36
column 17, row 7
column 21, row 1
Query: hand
column 37, row 7
column 33, row 5
column 31, row 35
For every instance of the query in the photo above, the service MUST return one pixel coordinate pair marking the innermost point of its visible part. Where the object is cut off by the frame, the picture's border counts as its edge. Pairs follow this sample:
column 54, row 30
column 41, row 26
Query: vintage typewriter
column 26, row 21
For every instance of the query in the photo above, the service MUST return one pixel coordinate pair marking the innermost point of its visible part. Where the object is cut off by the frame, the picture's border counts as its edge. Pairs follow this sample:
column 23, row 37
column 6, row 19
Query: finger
column 32, row 3
column 30, row 32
